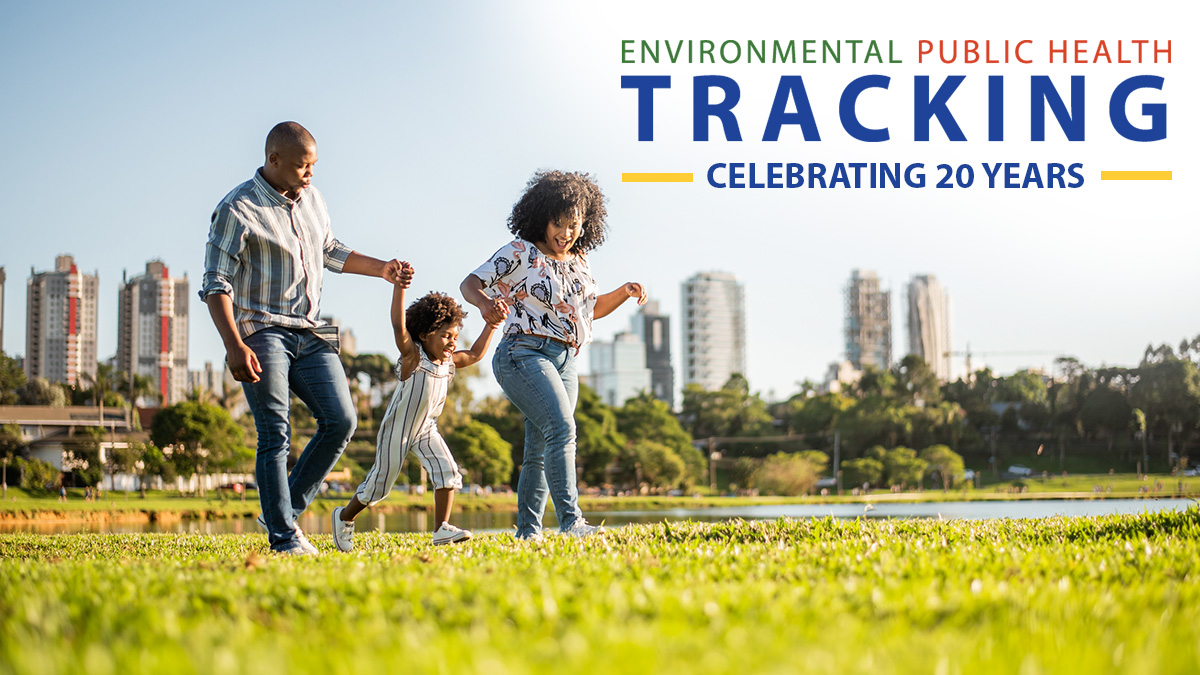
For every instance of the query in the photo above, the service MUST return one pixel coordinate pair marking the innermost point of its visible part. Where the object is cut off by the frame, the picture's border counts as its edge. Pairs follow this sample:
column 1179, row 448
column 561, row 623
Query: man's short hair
column 288, row 135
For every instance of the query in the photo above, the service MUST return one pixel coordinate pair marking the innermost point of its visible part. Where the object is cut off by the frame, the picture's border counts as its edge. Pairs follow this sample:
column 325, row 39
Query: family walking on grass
column 268, row 246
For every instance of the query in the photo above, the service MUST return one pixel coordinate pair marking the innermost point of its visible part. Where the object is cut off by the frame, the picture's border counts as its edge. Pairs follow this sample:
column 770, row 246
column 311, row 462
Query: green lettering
column 626, row 50
column 827, row 51
column 809, row 48
column 652, row 52
column 778, row 54
column 873, row 48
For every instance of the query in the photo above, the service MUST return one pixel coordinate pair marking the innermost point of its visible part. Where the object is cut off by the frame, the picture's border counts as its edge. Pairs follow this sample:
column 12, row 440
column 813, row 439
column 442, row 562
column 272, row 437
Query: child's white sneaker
column 449, row 534
column 343, row 531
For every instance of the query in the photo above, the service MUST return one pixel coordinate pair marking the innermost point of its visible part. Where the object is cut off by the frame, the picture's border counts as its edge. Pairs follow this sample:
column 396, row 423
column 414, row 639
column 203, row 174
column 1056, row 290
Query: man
column 268, row 246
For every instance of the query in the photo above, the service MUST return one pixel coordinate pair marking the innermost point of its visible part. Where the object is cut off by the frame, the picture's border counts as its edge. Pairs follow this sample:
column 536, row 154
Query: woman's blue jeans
column 538, row 375
column 299, row 361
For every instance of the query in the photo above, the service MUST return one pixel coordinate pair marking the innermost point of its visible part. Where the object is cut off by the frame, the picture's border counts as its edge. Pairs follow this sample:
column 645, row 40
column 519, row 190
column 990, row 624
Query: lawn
column 826, row 596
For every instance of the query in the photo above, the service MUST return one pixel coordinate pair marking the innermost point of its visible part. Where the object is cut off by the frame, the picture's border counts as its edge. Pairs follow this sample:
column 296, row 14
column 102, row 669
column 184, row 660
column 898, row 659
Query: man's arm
column 391, row 271
column 242, row 361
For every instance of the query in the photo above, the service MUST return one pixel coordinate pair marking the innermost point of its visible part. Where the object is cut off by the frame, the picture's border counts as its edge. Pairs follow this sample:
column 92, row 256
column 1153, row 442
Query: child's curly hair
column 431, row 312
column 550, row 194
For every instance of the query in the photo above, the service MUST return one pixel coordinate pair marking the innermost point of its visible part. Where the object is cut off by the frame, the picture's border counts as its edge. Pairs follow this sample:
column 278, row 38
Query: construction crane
column 968, row 354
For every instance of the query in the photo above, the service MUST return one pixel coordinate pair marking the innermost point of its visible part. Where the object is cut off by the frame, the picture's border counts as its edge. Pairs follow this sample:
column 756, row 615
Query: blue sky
column 123, row 124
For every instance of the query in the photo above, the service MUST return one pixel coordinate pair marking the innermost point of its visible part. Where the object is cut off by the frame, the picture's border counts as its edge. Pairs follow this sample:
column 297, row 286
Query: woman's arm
column 494, row 310
column 605, row 304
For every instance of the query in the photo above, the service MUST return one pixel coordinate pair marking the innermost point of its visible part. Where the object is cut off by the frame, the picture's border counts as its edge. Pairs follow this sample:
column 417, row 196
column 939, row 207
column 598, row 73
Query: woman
column 541, row 287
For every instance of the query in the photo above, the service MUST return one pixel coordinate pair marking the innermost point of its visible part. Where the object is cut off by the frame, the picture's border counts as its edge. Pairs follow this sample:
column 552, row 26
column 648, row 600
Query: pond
column 418, row 521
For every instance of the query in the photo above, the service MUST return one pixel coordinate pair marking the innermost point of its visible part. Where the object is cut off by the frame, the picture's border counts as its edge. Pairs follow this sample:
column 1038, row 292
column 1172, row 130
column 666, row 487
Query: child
column 426, row 334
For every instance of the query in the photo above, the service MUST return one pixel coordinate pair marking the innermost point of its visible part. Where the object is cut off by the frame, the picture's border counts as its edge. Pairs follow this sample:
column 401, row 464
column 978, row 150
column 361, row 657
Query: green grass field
column 1113, row 594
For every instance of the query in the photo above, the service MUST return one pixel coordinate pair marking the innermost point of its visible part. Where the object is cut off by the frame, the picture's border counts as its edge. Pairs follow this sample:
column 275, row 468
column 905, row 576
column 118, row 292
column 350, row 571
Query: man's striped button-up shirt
column 269, row 253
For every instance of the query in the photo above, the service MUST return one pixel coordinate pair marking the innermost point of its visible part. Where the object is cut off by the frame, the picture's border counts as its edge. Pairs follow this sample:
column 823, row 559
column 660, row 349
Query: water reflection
column 498, row 521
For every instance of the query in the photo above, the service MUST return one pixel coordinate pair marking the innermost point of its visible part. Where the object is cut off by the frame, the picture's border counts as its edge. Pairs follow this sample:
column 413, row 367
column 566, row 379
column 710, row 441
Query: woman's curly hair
column 550, row 194
column 431, row 312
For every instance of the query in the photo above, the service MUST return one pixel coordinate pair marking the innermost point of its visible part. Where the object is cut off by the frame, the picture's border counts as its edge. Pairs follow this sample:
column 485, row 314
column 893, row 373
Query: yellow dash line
column 656, row 178
column 1135, row 175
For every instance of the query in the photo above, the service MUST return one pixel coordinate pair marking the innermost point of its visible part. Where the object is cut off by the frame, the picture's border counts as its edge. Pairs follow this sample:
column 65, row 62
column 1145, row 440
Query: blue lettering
column 712, row 170
column 702, row 109
column 774, row 175
column 1042, row 89
column 791, row 87
column 795, row 175
column 908, row 175
column 924, row 108
column 846, row 108
column 1157, row 112
column 645, row 84
column 736, row 176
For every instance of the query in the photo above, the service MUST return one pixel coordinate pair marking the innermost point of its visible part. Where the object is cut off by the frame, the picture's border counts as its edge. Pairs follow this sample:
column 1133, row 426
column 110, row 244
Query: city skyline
column 408, row 156
column 184, row 373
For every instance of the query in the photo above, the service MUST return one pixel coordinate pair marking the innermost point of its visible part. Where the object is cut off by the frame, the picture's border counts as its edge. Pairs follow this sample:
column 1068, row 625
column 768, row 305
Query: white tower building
column 713, row 328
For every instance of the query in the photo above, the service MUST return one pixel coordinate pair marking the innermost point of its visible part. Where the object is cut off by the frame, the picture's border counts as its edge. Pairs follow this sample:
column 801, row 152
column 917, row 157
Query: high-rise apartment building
column 619, row 370
column 60, row 324
column 152, row 331
column 2, row 279
column 868, row 327
column 714, row 329
column 654, row 329
column 929, row 323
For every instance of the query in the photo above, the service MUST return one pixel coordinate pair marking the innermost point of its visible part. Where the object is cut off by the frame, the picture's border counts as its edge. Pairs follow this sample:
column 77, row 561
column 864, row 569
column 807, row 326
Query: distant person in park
column 268, row 246
column 427, row 334
column 540, row 285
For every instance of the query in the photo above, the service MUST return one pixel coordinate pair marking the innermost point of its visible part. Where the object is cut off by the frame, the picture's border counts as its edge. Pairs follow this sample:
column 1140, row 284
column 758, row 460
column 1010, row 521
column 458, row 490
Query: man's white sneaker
column 449, row 534
column 581, row 529
column 305, row 543
column 343, row 531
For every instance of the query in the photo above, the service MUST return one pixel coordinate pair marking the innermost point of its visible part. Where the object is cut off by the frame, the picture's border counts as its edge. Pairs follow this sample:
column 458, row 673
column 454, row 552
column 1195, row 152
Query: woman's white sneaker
column 449, row 534
column 581, row 529
column 343, row 531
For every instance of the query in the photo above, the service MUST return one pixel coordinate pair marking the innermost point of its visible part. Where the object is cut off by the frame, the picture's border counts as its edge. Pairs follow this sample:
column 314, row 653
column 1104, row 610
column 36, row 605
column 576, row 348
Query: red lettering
column 1061, row 52
column 970, row 51
column 1017, row 51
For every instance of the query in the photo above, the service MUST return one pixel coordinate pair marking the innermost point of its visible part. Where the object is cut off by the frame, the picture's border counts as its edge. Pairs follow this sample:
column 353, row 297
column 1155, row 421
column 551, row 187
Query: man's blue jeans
column 538, row 375
column 304, row 363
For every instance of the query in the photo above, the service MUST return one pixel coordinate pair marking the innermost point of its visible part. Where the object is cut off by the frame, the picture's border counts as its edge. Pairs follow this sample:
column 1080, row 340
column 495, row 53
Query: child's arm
column 408, row 348
column 469, row 357
column 605, row 304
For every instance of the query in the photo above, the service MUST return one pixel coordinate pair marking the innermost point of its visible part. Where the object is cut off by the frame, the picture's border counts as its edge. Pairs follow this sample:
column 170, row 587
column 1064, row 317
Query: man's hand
column 243, row 363
column 397, row 272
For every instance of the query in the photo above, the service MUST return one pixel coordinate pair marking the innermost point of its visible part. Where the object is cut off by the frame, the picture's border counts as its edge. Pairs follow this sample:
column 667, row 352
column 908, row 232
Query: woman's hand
column 496, row 312
column 636, row 290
